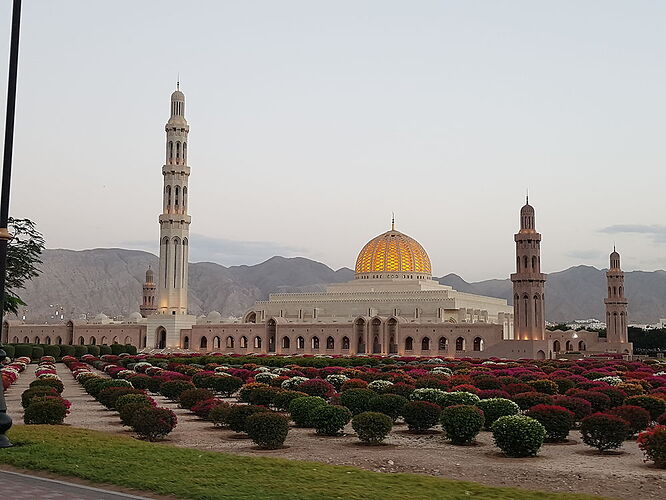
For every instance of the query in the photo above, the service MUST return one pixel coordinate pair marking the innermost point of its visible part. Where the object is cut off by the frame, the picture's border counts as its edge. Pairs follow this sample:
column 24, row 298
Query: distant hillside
column 110, row 280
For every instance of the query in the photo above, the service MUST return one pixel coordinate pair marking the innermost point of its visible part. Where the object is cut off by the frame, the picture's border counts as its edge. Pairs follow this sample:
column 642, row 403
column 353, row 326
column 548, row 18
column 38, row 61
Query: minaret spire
column 392, row 221
column 616, row 303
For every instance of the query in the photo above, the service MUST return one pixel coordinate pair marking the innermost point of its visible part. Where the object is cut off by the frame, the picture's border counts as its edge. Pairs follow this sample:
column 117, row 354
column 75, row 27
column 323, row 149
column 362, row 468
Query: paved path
column 19, row 486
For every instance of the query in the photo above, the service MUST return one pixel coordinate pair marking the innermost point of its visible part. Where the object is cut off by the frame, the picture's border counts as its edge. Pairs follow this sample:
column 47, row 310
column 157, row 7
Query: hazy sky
column 312, row 121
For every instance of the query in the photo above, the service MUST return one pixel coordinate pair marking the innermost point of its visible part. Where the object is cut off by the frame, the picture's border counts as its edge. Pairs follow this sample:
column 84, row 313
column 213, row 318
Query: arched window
column 81, row 341
column 518, row 264
column 185, row 153
column 525, row 262
column 621, row 290
column 186, row 342
column 300, row 343
column 230, row 342
column 478, row 344
column 556, row 346
column 460, row 344
column 568, row 347
column 103, row 341
column 37, row 340
column 92, row 340
column 443, row 344
column 128, row 340
column 185, row 199
column 581, row 345
column 168, row 197
column 176, row 197
column 203, row 344
column 15, row 340
column 58, row 340
column 425, row 344
column 286, row 342
column 170, row 151
column 115, row 340
column 330, row 343
column 409, row 344
column 315, row 342
column 257, row 342
column 345, row 343
column 47, row 340
column 243, row 342
column 177, row 152
column 536, row 310
column 534, row 263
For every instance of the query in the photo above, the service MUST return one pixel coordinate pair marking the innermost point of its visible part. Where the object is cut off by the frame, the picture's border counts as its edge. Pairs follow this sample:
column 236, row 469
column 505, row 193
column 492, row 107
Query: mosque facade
column 393, row 306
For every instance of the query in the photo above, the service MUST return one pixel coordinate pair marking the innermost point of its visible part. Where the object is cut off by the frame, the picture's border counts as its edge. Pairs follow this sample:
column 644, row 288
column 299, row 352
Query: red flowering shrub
column 654, row 405
column 557, row 420
column 653, row 444
column 172, row 389
column 401, row 389
column 45, row 410
column 564, row 384
column 638, row 418
column 661, row 420
column 110, row 395
column 604, row 431
column 316, row 387
column 494, row 393
column 517, row 388
column 203, row 408
column 466, row 388
column 580, row 407
column 153, row 423
column 226, row 384
column 599, row 401
column 353, row 383
column 617, row 396
column 433, row 382
column 529, row 399
column 189, row 398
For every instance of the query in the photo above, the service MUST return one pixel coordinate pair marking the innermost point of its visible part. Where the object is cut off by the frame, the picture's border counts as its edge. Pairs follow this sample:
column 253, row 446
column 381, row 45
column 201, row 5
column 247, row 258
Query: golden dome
column 393, row 252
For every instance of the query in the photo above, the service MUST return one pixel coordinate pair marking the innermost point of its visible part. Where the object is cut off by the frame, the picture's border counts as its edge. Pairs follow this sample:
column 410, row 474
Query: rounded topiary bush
column 173, row 388
column 110, row 395
column 462, row 423
column 518, row 435
column 36, row 392
column 421, row 415
column 653, row 444
column 191, row 397
column 495, row 408
column 267, row 429
column 284, row 397
column 203, row 408
column 654, row 405
column 388, row 404
column 140, row 381
column 300, row 410
column 316, row 387
column 603, row 431
column 580, row 407
column 218, row 414
column 638, row 418
column 329, row 420
column 458, row 398
column 557, row 420
column 544, row 386
column 372, row 427
column 129, row 410
column 599, row 401
column 526, row 400
column 49, row 382
column 226, row 384
column 46, row 410
column 132, row 398
column 357, row 400
column 235, row 416
column 153, row 423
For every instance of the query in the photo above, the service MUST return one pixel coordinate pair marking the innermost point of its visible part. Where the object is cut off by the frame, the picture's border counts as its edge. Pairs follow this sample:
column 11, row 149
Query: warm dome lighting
column 393, row 252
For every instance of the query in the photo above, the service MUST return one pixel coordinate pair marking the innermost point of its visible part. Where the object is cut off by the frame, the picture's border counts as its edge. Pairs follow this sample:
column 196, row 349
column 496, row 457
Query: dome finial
column 392, row 221
column 178, row 81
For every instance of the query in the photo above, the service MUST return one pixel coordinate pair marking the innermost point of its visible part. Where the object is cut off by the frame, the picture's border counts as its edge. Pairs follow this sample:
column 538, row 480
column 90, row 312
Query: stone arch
column 286, row 342
column 315, row 343
column 203, row 343
column 300, row 342
column 37, row 340
column 568, row 346
column 442, row 344
column 251, row 317
column 556, row 346
column 425, row 344
column 186, row 342
column 26, row 340
column 540, row 354
column 58, row 340
column 409, row 344
column 229, row 342
column 15, row 340
column 82, row 341
column 359, row 335
column 478, row 344
column 257, row 342
column 392, row 331
column 103, row 340
column 581, row 345
column 93, row 340
column 243, row 342
column 128, row 340
column 271, row 334
column 160, row 338
column 330, row 342
column 47, row 340
column 345, row 343
column 217, row 342
column 376, row 332
column 460, row 344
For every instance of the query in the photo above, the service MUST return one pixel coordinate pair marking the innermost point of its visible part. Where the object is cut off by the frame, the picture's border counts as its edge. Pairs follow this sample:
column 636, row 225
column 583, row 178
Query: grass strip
column 201, row 475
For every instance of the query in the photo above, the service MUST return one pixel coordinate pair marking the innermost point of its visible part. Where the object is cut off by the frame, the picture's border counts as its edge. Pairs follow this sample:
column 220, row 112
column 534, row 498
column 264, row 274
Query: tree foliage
column 23, row 259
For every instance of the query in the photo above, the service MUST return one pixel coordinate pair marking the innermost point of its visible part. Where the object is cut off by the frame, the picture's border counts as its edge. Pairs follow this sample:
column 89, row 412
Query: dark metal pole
column 5, row 420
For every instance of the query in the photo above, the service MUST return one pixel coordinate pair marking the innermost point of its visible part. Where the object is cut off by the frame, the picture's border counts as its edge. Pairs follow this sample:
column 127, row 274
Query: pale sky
column 312, row 121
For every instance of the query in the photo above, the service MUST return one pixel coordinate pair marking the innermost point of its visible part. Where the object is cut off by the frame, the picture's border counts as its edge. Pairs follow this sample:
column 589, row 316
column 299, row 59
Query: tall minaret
column 529, row 322
column 148, row 306
column 174, row 221
column 616, row 303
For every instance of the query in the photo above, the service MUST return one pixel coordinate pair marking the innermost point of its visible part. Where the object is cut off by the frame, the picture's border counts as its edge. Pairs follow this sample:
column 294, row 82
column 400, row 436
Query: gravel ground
column 571, row 467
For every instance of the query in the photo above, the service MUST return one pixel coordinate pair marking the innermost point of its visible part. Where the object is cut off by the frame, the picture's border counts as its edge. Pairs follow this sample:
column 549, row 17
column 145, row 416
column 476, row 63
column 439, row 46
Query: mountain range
column 109, row 280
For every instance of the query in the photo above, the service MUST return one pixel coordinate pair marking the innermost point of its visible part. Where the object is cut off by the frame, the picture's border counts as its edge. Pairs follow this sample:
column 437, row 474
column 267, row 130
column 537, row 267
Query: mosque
column 391, row 307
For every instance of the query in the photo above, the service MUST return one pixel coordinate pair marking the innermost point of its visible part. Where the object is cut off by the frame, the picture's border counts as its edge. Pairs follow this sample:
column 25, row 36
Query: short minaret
column 616, row 303
column 148, row 305
column 528, row 281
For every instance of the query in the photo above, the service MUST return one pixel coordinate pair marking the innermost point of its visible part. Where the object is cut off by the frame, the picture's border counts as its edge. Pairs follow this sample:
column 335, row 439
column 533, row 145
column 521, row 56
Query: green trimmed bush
column 129, row 410
column 357, row 400
column 526, row 400
column 268, row 430
column 604, row 432
column 300, row 409
column 462, row 423
column 518, row 435
column 52, row 350
column 93, row 350
column 557, row 421
column 388, row 404
column 10, row 351
column 104, row 350
column 638, row 418
column 36, row 392
column 258, row 394
column 372, row 427
column 544, row 386
column 236, row 415
column 140, row 381
column 80, row 350
column 495, row 408
column 67, row 350
column 226, row 384
column 48, row 382
column 105, row 383
column 421, row 415
column 284, row 397
column 153, row 423
column 131, row 398
column 110, row 395
column 459, row 398
column 173, row 388
column 23, row 350
column 190, row 397
column 218, row 414
column 120, row 349
column 45, row 411
column 329, row 420
column 37, row 352
column 654, row 405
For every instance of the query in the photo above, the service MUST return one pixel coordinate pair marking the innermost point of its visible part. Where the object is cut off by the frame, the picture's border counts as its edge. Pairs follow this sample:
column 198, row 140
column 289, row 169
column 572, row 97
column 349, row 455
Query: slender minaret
column 174, row 221
column 148, row 305
column 529, row 322
column 616, row 303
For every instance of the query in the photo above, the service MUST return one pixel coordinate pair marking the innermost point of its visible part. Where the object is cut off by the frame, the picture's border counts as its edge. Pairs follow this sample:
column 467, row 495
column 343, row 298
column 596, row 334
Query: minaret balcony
column 182, row 218
column 528, row 276
column 175, row 169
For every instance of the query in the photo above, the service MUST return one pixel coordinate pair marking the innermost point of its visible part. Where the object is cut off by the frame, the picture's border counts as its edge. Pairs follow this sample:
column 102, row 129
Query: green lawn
column 189, row 473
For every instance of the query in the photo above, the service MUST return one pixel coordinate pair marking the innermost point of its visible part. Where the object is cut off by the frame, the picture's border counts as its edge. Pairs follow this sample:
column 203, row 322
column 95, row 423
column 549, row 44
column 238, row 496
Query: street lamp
column 5, row 420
